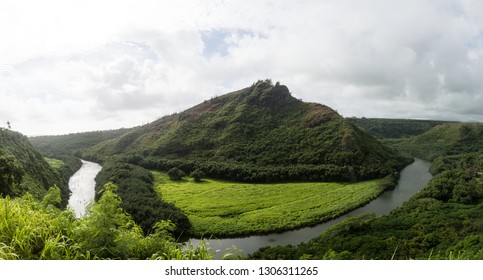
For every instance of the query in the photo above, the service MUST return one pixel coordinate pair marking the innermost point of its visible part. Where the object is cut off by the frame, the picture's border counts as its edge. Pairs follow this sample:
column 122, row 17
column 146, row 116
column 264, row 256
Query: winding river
column 82, row 186
column 413, row 178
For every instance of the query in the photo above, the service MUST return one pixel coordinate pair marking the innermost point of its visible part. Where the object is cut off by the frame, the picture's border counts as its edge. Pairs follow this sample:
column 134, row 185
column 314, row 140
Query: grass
column 30, row 230
column 223, row 208
column 54, row 163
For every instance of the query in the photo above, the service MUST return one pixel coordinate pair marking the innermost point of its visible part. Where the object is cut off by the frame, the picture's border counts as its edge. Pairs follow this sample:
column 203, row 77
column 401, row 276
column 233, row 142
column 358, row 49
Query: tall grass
column 31, row 230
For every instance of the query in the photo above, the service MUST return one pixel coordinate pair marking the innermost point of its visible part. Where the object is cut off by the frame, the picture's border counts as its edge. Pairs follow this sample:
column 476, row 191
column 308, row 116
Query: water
column 413, row 178
column 82, row 186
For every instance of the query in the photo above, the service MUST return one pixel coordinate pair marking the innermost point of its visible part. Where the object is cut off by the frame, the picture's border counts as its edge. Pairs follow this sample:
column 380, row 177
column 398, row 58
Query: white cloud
column 74, row 65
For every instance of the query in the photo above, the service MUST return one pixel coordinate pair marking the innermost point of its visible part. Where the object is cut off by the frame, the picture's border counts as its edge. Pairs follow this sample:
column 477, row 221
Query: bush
column 197, row 175
column 176, row 174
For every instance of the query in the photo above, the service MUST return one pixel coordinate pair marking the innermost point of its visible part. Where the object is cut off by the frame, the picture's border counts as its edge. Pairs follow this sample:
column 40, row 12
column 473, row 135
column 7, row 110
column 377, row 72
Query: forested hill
column 260, row 133
column 23, row 169
column 395, row 128
column 74, row 143
column 443, row 140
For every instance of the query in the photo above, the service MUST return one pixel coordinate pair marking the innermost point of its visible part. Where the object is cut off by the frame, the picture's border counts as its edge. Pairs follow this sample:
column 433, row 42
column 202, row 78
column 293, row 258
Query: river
column 413, row 178
column 82, row 186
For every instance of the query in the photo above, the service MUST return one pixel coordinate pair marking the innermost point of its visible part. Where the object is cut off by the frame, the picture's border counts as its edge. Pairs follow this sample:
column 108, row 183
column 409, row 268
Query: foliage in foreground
column 224, row 208
column 33, row 230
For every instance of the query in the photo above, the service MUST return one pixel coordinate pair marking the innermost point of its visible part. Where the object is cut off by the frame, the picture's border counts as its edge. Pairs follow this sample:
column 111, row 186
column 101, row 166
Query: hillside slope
column 23, row 169
column 395, row 128
column 443, row 140
column 73, row 144
column 260, row 133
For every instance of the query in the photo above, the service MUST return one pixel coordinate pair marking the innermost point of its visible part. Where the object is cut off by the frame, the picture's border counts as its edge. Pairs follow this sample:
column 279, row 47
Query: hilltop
column 257, row 134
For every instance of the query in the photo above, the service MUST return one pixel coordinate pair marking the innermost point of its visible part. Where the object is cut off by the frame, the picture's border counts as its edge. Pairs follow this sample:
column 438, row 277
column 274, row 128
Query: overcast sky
column 70, row 66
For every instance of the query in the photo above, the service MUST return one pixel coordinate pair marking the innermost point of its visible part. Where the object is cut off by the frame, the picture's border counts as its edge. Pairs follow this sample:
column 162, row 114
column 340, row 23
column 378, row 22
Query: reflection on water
column 82, row 186
column 413, row 178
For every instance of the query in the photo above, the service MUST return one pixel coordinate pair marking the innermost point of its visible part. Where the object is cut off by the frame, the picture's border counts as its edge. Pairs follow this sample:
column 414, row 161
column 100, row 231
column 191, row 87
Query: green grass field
column 54, row 163
column 223, row 208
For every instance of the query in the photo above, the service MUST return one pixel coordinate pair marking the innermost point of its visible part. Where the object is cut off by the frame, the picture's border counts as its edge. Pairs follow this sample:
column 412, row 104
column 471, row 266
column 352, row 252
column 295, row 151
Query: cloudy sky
column 70, row 66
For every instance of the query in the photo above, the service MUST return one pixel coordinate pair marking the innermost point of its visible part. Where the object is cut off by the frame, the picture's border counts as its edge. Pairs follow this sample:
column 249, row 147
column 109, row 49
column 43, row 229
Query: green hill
column 443, row 140
column 395, row 128
column 23, row 169
column 257, row 134
column 73, row 144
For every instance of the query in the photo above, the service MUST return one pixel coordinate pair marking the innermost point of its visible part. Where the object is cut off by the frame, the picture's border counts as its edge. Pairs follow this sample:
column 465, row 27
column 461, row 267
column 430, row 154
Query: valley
column 266, row 163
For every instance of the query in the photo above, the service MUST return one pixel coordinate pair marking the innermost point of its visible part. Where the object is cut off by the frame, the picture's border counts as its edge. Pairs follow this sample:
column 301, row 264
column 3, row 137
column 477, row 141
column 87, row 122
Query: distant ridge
column 444, row 140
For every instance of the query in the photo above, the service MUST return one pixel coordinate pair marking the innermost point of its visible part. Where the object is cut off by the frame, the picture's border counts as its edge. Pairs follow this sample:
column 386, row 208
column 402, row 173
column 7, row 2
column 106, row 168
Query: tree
column 465, row 193
column 103, row 223
column 10, row 173
column 197, row 175
column 52, row 197
column 8, row 125
column 175, row 174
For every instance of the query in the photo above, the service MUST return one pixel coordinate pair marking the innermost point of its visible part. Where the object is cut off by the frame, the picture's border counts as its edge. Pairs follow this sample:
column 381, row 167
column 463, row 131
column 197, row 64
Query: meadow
column 223, row 208
column 54, row 163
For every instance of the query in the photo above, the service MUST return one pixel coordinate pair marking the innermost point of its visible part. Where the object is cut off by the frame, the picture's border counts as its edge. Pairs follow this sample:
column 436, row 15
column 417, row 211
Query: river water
column 82, row 186
column 413, row 178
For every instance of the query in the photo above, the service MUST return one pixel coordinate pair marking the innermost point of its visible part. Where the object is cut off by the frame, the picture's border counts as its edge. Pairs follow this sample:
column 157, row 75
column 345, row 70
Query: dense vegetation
column 445, row 139
column 442, row 221
column 37, row 230
column 66, row 166
column 135, row 188
column 23, row 169
column 225, row 208
column 395, row 128
column 32, row 226
column 73, row 144
column 258, row 134
column 261, row 135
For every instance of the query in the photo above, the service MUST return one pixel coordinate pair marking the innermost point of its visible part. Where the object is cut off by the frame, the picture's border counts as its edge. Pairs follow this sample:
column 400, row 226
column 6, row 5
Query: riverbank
column 413, row 178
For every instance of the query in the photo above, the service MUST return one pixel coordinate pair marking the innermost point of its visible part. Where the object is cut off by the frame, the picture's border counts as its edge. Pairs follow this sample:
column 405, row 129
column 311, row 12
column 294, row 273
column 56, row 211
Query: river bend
column 413, row 178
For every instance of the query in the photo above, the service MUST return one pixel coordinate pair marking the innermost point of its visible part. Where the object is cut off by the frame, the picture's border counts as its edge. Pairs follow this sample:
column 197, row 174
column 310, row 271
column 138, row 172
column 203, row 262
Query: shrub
column 176, row 174
column 197, row 175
